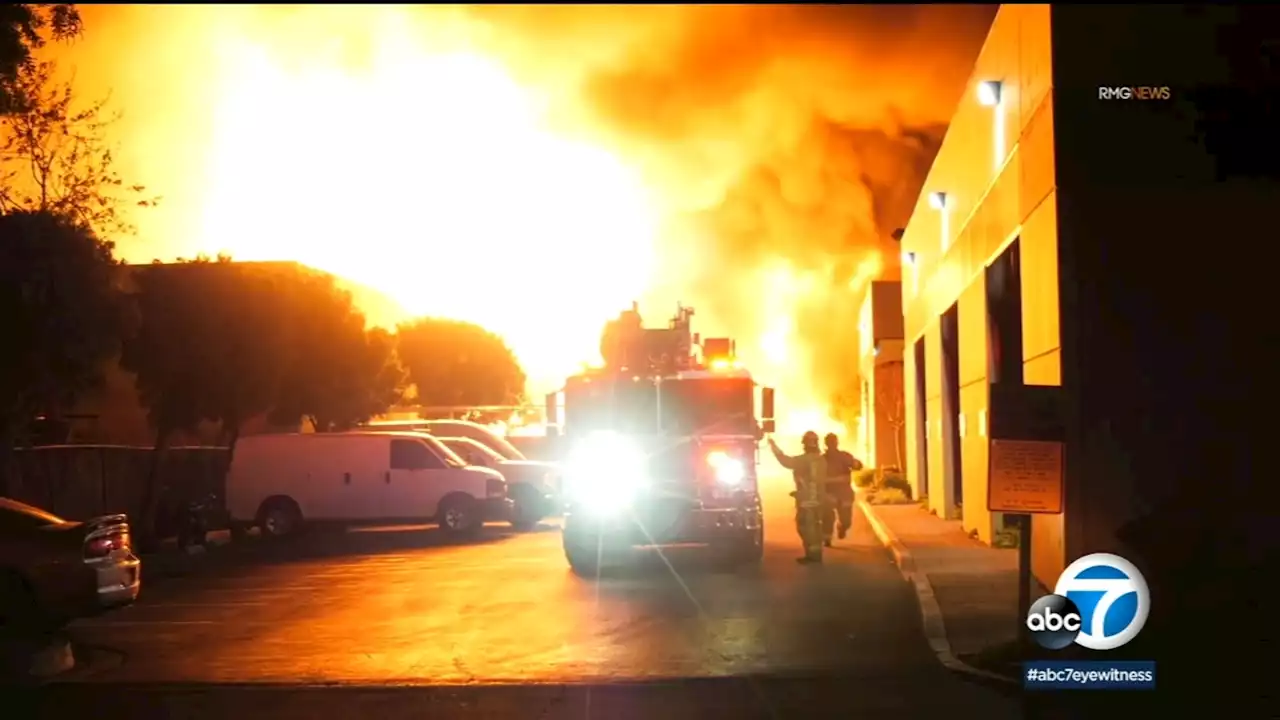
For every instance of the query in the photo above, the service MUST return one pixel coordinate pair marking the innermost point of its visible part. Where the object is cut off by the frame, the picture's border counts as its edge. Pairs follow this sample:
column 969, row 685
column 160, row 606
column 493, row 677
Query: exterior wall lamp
column 989, row 92
column 940, row 202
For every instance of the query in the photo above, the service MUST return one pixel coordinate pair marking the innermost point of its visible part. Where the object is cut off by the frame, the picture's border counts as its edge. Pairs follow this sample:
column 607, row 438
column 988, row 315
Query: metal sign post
column 1026, row 467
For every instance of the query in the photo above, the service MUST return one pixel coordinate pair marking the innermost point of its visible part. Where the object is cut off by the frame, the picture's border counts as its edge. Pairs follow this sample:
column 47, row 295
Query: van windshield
column 477, row 432
column 449, row 457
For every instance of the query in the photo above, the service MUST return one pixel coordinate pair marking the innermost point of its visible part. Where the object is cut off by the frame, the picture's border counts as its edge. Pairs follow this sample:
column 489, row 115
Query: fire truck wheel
column 584, row 561
column 750, row 550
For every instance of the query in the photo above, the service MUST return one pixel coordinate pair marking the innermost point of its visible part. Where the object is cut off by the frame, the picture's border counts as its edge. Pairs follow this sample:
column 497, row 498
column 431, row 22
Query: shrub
column 864, row 478
column 895, row 481
column 890, row 496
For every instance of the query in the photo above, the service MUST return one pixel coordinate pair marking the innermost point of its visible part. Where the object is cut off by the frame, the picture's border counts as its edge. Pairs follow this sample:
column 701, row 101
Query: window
column 413, row 455
column 473, row 431
column 724, row 405
column 611, row 404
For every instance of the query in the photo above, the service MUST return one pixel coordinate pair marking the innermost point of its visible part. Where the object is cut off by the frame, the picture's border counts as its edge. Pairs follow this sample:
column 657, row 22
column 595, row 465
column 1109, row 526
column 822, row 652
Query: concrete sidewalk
column 968, row 591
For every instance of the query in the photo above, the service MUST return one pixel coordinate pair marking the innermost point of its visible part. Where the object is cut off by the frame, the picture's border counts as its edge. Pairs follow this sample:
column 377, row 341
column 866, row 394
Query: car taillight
column 104, row 545
column 493, row 487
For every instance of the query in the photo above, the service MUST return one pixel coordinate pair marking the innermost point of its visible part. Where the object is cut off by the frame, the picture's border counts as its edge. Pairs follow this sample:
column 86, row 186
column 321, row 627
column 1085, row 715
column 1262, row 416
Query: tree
column 61, row 318
column 56, row 158
column 338, row 373
column 455, row 363
column 210, row 347
column 891, row 404
column 25, row 28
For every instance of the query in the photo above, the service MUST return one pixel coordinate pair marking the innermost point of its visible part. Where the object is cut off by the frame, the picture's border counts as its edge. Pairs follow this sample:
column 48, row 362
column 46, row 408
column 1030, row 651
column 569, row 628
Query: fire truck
column 662, row 446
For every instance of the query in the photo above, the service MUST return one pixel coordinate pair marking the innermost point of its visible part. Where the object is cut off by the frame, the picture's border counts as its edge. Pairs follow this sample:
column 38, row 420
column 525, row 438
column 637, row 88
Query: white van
column 278, row 482
column 534, row 486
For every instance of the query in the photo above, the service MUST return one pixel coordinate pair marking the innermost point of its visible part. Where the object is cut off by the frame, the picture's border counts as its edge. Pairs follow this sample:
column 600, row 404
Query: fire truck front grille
column 671, row 464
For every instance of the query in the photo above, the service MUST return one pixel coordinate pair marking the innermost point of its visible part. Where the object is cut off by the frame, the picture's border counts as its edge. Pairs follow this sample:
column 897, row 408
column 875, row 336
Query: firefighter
column 810, row 471
column 839, row 489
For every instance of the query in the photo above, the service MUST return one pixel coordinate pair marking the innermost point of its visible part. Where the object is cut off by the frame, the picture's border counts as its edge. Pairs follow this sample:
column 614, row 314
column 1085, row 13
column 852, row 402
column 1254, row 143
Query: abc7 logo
column 1054, row 622
column 1118, row 603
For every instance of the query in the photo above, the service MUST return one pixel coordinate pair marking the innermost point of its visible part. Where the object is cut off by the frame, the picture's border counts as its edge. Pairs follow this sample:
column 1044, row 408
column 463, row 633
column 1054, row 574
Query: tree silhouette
column 56, row 158
column 891, row 404
column 61, row 317
column 455, row 363
column 338, row 373
column 27, row 27
column 209, row 346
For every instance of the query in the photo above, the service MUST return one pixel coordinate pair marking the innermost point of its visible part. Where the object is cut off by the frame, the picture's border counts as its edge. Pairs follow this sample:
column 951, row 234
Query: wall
column 83, row 481
column 996, row 167
column 1166, row 210
column 885, row 298
column 883, row 413
column 888, row 445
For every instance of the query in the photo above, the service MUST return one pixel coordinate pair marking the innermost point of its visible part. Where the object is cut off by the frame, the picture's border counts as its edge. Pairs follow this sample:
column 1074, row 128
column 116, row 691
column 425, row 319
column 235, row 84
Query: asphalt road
column 393, row 623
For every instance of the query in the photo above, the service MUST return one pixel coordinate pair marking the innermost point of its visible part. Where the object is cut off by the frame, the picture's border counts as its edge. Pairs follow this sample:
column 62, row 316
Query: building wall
column 1137, row 224
column 881, row 369
column 888, row 442
column 996, row 167
column 1165, row 206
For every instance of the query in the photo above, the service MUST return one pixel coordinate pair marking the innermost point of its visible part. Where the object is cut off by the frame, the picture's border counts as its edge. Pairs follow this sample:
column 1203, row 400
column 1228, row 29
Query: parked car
column 54, row 570
column 280, row 482
column 530, row 485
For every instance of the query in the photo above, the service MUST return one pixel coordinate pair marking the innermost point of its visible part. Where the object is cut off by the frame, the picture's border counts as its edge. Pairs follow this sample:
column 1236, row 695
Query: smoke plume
column 785, row 142
column 792, row 141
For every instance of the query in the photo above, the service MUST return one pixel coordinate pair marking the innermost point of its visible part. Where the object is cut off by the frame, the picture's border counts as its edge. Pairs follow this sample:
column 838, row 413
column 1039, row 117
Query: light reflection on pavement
column 400, row 606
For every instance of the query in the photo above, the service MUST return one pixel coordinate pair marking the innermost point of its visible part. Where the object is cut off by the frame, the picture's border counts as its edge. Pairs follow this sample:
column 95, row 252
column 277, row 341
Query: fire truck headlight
column 605, row 473
column 729, row 471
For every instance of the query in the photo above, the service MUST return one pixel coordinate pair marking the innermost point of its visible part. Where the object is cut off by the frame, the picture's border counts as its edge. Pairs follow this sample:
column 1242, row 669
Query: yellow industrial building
column 1047, row 249
column 984, row 228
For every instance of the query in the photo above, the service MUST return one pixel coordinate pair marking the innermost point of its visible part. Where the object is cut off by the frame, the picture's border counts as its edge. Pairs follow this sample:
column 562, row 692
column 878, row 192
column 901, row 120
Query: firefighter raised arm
column 785, row 460
column 810, row 470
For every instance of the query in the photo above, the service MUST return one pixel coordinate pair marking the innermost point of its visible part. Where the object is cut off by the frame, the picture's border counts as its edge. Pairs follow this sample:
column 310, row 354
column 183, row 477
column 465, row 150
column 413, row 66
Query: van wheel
column 459, row 515
column 281, row 518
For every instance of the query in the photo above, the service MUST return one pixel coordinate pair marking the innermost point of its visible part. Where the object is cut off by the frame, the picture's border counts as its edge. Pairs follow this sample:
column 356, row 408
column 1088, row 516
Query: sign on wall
column 1026, row 477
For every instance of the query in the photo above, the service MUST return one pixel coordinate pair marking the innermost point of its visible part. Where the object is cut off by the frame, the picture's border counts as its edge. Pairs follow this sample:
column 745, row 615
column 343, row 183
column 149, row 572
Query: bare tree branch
column 891, row 403
column 55, row 156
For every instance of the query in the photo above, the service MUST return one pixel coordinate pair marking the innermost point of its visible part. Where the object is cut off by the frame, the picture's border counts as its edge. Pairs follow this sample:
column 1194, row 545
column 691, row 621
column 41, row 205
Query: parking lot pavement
column 402, row 606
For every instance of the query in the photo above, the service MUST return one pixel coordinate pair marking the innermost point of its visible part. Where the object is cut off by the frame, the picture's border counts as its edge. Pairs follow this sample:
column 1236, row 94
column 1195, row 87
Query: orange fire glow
column 533, row 171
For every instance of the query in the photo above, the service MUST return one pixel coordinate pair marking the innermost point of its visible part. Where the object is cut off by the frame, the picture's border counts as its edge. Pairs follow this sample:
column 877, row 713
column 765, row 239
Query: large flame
column 536, row 169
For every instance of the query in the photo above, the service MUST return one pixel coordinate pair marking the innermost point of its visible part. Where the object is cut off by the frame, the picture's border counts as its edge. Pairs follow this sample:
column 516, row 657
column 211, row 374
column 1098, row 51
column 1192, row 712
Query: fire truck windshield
column 709, row 405
column 704, row 405
column 624, row 405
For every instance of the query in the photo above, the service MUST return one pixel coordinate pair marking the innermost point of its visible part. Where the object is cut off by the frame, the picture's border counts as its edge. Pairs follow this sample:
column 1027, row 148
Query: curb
column 935, row 630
